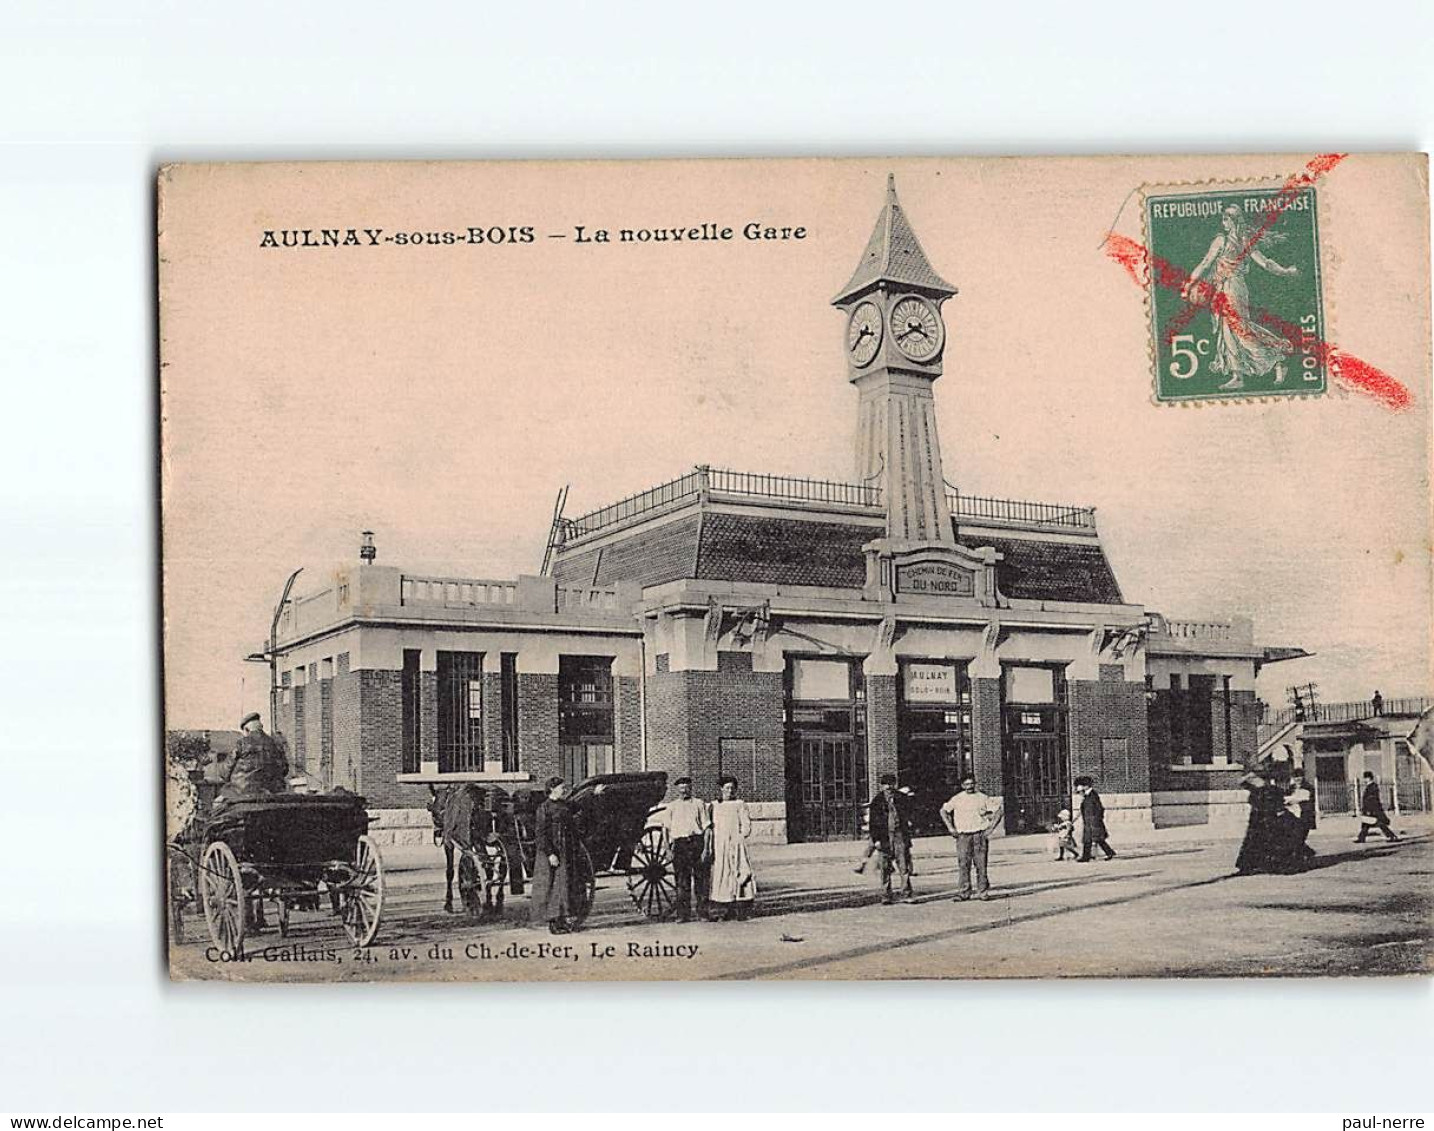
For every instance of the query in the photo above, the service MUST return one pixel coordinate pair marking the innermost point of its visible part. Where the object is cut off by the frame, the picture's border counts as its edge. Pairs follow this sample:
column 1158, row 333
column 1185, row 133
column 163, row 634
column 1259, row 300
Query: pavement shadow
column 777, row 969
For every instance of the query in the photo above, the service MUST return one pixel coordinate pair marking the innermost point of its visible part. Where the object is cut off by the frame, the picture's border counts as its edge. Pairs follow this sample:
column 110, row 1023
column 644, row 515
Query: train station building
column 805, row 635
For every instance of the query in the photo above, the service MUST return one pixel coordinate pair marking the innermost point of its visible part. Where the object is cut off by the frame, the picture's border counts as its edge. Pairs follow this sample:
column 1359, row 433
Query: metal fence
column 1020, row 511
column 1351, row 712
column 793, row 487
column 701, row 480
column 1414, row 796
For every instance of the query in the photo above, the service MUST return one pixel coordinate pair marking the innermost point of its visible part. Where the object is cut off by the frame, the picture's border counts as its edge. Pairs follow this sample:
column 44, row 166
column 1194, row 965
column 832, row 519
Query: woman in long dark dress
column 1272, row 837
column 555, row 840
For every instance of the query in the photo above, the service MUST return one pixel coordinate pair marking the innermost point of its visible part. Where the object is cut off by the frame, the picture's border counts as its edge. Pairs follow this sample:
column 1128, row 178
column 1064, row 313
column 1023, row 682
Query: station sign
column 935, row 579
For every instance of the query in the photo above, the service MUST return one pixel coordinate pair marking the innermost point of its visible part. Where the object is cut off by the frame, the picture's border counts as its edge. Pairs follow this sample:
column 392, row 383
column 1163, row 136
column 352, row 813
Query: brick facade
column 350, row 723
column 347, row 748
column 1106, row 710
column 882, row 727
column 986, row 760
column 427, row 717
column 689, row 713
column 340, row 772
column 295, row 730
column 492, row 717
column 627, row 721
column 538, row 725
column 381, row 739
column 1242, row 750
column 667, row 724
column 1245, row 713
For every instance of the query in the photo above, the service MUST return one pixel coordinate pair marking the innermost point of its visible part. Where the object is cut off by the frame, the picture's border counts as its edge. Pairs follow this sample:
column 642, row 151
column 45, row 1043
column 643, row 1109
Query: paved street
column 1170, row 906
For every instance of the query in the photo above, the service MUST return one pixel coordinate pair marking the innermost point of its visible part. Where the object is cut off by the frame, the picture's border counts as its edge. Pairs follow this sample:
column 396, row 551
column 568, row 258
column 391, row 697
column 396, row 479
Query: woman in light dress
column 733, row 885
column 1244, row 347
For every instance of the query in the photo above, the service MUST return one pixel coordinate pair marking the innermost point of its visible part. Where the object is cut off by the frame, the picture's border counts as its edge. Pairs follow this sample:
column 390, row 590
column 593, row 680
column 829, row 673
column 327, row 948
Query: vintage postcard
column 841, row 569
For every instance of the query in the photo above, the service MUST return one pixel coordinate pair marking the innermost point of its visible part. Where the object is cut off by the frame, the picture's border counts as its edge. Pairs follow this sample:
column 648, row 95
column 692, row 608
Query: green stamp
column 1236, row 308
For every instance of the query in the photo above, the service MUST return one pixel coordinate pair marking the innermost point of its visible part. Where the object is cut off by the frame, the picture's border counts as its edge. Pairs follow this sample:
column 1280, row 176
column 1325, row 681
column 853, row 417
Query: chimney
column 367, row 550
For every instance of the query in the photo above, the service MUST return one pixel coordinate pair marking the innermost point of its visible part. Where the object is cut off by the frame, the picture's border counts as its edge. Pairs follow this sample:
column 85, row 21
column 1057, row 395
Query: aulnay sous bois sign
column 935, row 579
column 931, row 683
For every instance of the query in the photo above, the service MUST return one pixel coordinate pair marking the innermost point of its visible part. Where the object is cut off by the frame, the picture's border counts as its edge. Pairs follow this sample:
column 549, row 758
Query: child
column 860, row 869
column 1063, row 835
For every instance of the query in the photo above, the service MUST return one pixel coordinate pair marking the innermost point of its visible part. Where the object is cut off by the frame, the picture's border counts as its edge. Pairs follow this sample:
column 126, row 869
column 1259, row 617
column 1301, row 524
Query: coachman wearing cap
column 258, row 765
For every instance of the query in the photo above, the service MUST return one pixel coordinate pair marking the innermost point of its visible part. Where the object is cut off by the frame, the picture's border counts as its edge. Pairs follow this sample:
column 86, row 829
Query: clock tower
column 895, row 336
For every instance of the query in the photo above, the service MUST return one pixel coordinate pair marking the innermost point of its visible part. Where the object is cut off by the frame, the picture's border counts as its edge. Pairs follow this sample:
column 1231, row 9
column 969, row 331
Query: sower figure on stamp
column 1371, row 811
column 1244, row 347
column 1092, row 817
column 688, row 824
column 555, row 838
column 969, row 817
column 889, row 822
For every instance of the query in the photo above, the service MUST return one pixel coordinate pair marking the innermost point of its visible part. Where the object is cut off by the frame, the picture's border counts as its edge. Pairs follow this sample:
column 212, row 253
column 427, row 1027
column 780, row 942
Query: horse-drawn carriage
column 285, row 851
column 491, row 831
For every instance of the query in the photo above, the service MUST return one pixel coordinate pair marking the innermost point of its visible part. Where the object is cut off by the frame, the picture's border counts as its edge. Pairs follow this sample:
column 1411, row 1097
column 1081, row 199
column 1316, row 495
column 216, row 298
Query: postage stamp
column 1244, row 316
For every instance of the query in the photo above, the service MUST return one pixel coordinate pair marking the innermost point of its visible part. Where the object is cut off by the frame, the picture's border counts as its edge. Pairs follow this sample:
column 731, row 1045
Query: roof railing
column 703, row 480
column 1022, row 511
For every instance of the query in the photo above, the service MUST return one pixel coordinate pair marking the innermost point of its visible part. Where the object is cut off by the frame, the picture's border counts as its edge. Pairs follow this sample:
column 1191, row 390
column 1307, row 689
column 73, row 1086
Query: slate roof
column 784, row 551
column 1051, row 571
column 894, row 253
column 648, row 557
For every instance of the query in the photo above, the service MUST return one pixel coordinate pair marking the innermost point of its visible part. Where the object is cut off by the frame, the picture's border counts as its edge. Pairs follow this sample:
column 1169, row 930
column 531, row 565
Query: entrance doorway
column 1035, row 752
column 934, row 736
column 830, row 803
column 825, row 749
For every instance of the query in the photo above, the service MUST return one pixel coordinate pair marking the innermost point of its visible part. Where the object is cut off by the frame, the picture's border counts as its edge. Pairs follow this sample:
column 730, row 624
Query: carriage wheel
column 650, row 875
column 585, row 884
column 221, row 887
column 182, row 888
column 363, row 894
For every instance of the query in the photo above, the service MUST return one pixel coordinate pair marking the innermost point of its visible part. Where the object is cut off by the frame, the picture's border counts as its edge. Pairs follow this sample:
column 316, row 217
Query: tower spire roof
column 893, row 254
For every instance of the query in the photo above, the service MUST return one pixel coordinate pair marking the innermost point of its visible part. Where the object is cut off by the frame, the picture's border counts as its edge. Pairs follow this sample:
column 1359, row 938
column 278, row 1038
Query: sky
column 441, row 395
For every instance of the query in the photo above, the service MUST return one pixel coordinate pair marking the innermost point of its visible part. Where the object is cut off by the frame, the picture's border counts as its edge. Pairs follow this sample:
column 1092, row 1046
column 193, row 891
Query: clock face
column 916, row 328
column 863, row 333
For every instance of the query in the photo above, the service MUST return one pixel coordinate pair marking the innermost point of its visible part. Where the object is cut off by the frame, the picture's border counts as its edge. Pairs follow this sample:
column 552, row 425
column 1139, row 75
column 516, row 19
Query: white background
column 94, row 96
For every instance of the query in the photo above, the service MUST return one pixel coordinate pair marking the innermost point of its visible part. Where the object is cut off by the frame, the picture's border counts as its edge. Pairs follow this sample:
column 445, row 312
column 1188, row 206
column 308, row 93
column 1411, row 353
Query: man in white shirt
column 687, row 821
column 969, row 816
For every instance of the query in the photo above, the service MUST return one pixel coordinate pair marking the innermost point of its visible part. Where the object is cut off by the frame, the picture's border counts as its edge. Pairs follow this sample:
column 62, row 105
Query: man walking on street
column 889, row 825
column 688, row 823
column 1371, row 811
column 969, row 817
column 1092, row 816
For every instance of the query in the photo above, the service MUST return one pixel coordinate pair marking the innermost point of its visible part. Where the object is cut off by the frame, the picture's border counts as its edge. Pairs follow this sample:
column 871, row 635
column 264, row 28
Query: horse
column 462, row 821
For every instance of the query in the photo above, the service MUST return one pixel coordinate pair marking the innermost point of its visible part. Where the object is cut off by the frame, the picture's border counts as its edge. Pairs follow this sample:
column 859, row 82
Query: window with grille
column 412, row 712
column 509, row 692
column 460, row 712
column 586, row 730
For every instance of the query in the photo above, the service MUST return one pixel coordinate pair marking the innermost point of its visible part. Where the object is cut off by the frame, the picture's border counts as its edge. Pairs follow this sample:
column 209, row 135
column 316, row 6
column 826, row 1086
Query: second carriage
column 620, row 831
